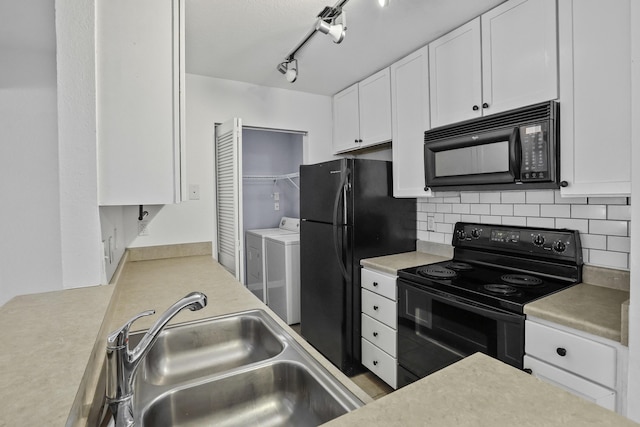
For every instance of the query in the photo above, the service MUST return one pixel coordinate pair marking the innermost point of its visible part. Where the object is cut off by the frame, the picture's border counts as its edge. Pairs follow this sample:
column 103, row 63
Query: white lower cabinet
column 378, row 327
column 583, row 364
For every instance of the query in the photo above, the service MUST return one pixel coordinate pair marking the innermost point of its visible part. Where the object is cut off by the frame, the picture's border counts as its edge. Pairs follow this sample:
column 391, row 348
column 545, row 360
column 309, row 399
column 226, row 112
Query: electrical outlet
column 431, row 224
column 194, row 192
column 276, row 196
column 276, row 206
column 143, row 228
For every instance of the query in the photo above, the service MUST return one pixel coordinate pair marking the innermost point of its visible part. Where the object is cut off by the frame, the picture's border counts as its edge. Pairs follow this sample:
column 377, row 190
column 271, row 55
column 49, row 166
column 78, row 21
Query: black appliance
column 348, row 213
column 474, row 302
column 517, row 149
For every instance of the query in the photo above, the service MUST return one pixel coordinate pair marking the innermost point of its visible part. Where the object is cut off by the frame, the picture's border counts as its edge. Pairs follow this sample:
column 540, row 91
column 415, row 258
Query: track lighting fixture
column 290, row 69
column 383, row 3
column 336, row 27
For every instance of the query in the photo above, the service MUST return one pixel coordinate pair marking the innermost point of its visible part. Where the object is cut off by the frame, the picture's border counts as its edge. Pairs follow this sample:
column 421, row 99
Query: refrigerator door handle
column 341, row 193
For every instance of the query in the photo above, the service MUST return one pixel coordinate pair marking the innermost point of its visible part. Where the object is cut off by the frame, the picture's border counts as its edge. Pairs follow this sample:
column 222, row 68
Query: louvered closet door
column 229, row 196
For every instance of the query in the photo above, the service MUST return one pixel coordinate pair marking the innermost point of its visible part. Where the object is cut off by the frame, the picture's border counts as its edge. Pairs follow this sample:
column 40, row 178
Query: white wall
column 210, row 101
column 30, row 211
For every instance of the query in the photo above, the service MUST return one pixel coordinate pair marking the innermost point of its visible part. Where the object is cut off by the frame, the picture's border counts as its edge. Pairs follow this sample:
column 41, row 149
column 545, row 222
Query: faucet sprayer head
column 200, row 301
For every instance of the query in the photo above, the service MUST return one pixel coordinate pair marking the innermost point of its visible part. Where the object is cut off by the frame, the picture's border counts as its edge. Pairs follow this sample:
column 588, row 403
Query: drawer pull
column 375, row 307
column 561, row 351
column 375, row 363
column 375, row 284
column 375, row 334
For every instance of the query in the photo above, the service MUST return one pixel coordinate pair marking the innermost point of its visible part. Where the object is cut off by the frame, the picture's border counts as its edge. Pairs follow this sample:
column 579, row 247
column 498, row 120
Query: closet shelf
column 289, row 177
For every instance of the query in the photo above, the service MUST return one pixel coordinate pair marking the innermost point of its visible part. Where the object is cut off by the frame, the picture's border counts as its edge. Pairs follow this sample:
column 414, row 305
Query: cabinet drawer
column 379, row 334
column 379, row 283
column 572, row 383
column 380, row 363
column 380, row 308
column 590, row 359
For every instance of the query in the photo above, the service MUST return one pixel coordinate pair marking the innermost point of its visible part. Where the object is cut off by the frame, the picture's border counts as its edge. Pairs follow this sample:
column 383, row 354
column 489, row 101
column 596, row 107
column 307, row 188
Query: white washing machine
column 282, row 254
column 255, row 278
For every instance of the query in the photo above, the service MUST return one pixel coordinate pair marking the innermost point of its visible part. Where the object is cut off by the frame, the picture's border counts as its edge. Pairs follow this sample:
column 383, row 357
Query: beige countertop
column 53, row 335
column 481, row 391
column 392, row 263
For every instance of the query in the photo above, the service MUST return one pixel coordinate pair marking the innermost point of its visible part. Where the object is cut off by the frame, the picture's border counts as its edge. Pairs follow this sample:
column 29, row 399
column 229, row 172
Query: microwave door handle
column 515, row 153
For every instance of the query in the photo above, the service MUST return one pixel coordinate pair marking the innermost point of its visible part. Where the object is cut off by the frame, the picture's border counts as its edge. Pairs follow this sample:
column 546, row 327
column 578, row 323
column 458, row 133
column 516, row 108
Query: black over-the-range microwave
column 517, row 149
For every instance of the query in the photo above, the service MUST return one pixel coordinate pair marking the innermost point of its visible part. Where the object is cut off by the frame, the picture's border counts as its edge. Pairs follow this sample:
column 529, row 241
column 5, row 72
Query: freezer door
column 326, row 314
column 321, row 191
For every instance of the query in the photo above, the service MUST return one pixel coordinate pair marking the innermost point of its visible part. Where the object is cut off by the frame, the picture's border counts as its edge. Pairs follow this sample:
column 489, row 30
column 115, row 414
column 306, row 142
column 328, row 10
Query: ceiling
column 245, row 40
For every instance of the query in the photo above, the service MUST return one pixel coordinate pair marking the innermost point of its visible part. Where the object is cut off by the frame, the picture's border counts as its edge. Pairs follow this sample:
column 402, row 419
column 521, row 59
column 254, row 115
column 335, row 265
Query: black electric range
column 504, row 267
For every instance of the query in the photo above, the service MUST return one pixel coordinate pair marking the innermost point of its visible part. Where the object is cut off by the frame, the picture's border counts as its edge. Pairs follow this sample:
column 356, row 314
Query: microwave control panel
column 535, row 146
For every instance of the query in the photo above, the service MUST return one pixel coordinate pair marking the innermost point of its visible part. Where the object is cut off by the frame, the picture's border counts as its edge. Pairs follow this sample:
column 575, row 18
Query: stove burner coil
column 436, row 272
column 521, row 280
column 459, row 266
column 499, row 289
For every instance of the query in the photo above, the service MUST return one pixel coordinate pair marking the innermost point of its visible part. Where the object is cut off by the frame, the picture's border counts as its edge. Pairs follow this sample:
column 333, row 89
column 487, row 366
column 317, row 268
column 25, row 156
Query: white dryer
column 282, row 254
column 255, row 277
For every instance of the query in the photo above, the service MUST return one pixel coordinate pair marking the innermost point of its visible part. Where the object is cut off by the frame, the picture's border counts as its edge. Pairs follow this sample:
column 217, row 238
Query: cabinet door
column 346, row 120
column 595, row 97
column 375, row 108
column 138, row 91
column 519, row 55
column 455, row 75
column 410, row 119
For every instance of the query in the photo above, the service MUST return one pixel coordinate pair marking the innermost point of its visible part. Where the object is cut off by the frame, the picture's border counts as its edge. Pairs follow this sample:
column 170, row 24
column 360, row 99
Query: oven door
column 436, row 329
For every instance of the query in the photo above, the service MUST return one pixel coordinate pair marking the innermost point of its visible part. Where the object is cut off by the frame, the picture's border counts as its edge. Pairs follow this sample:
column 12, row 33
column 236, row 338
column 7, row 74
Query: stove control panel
column 540, row 242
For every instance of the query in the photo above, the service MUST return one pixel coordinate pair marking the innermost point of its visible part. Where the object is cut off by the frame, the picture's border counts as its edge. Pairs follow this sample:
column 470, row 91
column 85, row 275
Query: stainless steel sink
column 235, row 370
column 280, row 393
column 207, row 347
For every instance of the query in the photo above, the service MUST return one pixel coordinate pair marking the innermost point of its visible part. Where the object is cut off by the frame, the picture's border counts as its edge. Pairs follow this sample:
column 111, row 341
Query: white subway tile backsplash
column 604, row 223
column 469, row 197
column 613, row 228
column 513, row 197
column 619, row 244
column 582, row 225
column 619, row 212
column 462, row 208
column 490, row 197
column 609, row 258
column 589, row 211
column 502, row 210
column 444, row 208
column 481, row 209
column 540, row 222
column 540, row 197
column 526, row 210
column 593, row 241
column 519, row 221
column 556, row 211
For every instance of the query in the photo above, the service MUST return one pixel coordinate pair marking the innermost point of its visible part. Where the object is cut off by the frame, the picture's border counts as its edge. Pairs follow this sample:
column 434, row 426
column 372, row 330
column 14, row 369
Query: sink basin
column 281, row 393
column 207, row 347
column 240, row 369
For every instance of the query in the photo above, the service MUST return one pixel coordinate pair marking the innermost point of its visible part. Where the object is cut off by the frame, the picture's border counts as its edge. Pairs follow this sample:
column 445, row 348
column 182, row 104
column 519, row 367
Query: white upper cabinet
column 505, row 59
column 519, row 55
column 140, row 79
column 362, row 113
column 410, row 119
column 595, row 97
column 455, row 75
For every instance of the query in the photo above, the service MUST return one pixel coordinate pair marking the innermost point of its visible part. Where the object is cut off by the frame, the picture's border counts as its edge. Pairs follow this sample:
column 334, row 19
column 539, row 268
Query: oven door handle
column 468, row 305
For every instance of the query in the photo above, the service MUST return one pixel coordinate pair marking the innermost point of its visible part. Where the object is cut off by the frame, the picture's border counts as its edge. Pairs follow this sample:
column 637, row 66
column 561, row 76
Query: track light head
column 289, row 68
column 335, row 30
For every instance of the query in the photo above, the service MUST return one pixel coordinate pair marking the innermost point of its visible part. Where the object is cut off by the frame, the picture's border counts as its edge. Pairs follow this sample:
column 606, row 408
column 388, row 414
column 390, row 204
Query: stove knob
column 559, row 246
column 475, row 233
column 461, row 234
column 538, row 240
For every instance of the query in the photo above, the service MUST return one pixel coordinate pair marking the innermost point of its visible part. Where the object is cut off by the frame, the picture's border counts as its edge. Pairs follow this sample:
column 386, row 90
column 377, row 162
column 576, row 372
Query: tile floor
column 371, row 384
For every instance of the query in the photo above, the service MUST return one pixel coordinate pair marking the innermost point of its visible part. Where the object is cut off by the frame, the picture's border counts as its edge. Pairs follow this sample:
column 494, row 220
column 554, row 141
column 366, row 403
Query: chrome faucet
column 122, row 363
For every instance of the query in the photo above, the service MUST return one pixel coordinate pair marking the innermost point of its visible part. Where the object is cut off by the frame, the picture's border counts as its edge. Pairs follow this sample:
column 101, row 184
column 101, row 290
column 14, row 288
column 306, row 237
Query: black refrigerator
column 348, row 213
